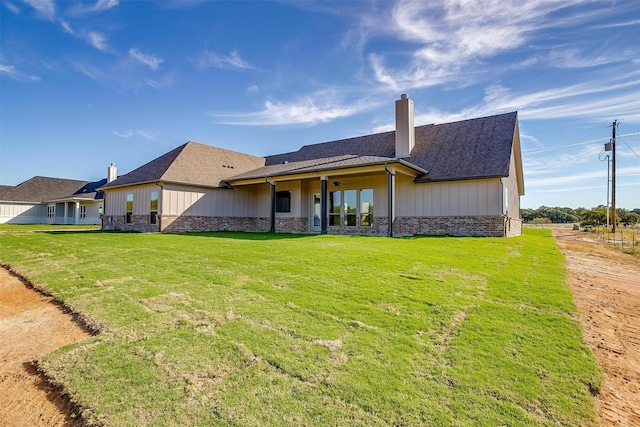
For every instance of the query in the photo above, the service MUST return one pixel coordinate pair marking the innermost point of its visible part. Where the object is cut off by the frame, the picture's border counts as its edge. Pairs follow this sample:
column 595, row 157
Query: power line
column 544, row 150
column 632, row 150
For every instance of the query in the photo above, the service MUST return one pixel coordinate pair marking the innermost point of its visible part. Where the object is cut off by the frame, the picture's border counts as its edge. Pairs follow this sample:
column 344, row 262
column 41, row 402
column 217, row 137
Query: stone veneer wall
column 292, row 225
column 480, row 226
column 492, row 226
column 513, row 227
column 184, row 223
column 138, row 223
column 379, row 228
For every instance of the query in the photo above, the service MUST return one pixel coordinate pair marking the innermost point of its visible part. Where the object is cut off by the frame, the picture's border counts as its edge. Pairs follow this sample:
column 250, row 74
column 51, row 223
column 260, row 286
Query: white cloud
column 550, row 164
column 573, row 58
column 99, row 6
column 45, row 8
column 67, row 27
column 94, row 38
column 128, row 133
column 90, row 71
column 253, row 88
column 14, row 73
column 619, row 24
column 213, row 60
column 12, row 7
column 529, row 137
column 151, row 61
column 383, row 128
column 8, row 69
column 97, row 40
column 319, row 107
column 451, row 41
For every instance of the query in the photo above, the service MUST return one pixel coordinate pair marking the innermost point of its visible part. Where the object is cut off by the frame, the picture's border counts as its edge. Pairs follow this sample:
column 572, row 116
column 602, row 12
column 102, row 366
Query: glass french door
column 316, row 212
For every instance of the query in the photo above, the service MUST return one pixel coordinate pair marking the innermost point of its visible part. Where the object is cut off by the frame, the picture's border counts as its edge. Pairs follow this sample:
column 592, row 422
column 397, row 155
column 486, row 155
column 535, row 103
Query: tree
column 595, row 216
column 627, row 217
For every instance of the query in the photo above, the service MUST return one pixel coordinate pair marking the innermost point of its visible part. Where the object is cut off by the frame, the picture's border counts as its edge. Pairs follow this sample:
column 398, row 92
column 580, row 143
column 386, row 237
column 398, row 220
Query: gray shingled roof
column 191, row 163
column 474, row 148
column 41, row 189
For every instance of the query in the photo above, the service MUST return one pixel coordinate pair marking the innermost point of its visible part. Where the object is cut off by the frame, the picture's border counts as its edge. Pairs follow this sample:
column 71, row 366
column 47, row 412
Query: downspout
column 504, row 217
column 389, row 200
column 272, row 195
column 159, row 184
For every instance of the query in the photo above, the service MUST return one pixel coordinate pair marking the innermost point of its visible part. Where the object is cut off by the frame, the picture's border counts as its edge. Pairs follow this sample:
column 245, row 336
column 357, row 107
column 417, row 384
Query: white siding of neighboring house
column 92, row 214
column 456, row 198
column 22, row 213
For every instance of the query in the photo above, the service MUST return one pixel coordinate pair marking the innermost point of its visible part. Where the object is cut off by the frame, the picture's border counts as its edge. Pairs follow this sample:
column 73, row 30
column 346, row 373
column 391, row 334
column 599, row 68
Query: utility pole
column 608, row 181
column 613, row 177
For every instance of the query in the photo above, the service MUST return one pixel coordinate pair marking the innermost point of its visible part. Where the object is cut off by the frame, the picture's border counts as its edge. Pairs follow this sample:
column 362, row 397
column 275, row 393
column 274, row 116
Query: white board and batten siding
column 512, row 195
column 457, row 198
column 215, row 202
column 116, row 200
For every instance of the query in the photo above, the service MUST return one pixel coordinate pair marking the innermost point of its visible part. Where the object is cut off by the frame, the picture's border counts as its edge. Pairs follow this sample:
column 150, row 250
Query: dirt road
column 606, row 289
column 605, row 284
column 31, row 325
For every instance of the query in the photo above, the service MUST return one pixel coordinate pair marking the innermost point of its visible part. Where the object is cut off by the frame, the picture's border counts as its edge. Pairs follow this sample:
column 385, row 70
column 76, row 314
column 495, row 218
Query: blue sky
column 83, row 84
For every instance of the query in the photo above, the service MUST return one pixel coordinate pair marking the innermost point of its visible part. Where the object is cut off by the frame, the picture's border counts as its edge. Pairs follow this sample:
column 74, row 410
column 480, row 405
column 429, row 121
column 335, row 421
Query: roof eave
column 305, row 171
column 425, row 180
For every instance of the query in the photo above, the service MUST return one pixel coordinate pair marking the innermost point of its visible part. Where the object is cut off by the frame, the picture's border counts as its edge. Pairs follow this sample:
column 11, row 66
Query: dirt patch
column 31, row 325
column 606, row 289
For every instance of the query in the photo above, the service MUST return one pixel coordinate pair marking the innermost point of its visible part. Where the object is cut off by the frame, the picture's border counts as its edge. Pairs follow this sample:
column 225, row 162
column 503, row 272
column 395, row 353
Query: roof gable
column 191, row 163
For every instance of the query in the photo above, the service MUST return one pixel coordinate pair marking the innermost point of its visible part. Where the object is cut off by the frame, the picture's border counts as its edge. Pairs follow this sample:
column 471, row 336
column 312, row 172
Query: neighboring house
column 43, row 200
column 462, row 178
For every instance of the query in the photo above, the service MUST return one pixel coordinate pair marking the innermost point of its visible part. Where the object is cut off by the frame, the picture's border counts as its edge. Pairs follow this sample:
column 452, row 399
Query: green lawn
column 262, row 329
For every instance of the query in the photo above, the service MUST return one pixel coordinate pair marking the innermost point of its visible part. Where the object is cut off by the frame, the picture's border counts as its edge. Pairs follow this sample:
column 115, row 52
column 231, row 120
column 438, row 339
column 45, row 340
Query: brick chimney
column 405, row 131
column 112, row 173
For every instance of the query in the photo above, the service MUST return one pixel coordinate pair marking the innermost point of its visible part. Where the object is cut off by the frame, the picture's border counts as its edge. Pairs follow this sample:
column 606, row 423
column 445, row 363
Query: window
column 334, row 208
column 350, row 204
column 153, row 208
column 83, row 211
column 366, row 207
column 129, row 208
column 356, row 208
column 283, row 201
column 51, row 211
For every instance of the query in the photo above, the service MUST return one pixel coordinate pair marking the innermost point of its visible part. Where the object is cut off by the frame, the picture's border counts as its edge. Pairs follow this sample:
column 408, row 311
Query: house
column 462, row 178
column 44, row 200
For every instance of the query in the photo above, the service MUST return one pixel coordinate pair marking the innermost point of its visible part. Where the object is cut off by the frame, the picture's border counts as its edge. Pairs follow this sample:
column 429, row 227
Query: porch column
column 76, row 216
column 65, row 213
column 391, row 202
column 323, row 205
column 272, row 194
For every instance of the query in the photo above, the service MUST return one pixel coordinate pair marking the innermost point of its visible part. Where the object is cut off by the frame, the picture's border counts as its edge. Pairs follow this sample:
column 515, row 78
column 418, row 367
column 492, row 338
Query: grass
column 263, row 329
